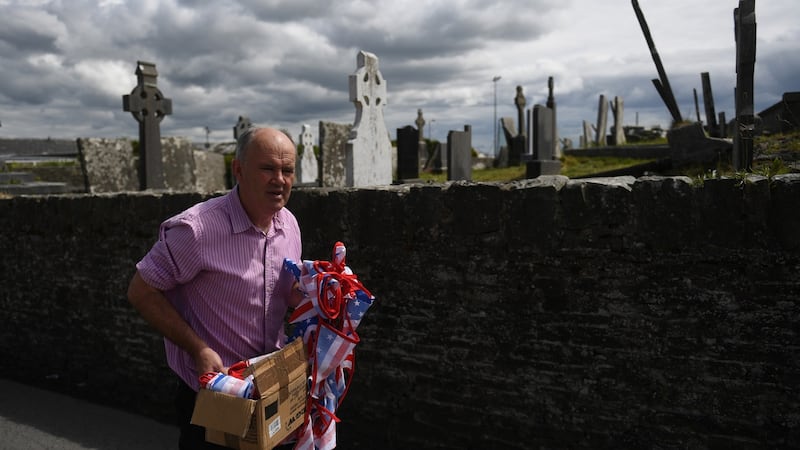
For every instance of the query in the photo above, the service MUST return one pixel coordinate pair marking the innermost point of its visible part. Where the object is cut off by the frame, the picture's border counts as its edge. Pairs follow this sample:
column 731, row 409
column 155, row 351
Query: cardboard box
column 245, row 424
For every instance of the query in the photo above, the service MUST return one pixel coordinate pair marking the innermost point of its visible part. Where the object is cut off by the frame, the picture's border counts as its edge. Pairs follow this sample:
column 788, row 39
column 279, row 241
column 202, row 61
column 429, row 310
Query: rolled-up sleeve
column 175, row 258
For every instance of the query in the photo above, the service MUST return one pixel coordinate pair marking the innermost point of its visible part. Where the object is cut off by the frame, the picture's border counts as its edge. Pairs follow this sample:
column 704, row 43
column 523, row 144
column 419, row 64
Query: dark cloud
column 64, row 66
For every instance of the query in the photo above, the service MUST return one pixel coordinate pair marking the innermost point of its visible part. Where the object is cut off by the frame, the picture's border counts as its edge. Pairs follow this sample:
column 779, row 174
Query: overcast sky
column 65, row 64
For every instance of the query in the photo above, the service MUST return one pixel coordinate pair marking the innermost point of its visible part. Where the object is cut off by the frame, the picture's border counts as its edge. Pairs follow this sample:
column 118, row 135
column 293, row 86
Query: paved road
column 35, row 419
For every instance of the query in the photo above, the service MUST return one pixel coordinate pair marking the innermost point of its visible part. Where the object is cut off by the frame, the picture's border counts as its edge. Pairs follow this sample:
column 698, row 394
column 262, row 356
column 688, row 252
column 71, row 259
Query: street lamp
column 494, row 135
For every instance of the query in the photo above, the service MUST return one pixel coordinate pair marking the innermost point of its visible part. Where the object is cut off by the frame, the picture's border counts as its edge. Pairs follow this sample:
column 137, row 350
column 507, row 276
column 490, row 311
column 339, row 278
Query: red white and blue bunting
column 334, row 303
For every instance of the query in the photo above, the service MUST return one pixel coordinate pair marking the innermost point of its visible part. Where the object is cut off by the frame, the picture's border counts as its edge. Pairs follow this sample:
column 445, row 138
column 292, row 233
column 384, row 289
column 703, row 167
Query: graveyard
column 645, row 301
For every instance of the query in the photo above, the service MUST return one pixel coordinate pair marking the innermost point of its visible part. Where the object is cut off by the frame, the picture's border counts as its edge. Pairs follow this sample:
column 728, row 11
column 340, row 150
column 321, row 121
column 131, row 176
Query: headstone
column 515, row 143
column 542, row 133
column 602, row 122
column 434, row 162
column 307, row 166
column 178, row 163
column 708, row 102
column 587, row 135
column 543, row 162
column 689, row 143
column 369, row 149
column 420, row 126
column 459, row 154
column 332, row 145
column 745, row 32
column 520, row 102
column 407, row 154
column 422, row 146
column 618, row 109
column 108, row 165
column 241, row 126
column 149, row 107
column 551, row 103
column 209, row 171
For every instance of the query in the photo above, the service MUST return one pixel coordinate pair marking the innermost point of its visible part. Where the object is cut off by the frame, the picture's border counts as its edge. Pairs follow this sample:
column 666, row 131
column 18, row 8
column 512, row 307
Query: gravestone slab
column 209, row 171
column 602, row 122
column 459, row 154
column 332, row 149
column 307, row 166
column 434, row 163
column 514, row 142
column 178, row 164
column 369, row 149
column 543, row 139
column 108, row 165
column 407, row 154
column 586, row 138
column 543, row 162
column 618, row 108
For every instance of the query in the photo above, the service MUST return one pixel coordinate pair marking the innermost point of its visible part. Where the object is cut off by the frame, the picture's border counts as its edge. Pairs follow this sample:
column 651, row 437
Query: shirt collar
column 240, row 222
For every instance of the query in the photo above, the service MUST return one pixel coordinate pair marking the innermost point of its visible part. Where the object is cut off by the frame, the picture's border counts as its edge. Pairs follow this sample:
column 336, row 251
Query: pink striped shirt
column 225, row 277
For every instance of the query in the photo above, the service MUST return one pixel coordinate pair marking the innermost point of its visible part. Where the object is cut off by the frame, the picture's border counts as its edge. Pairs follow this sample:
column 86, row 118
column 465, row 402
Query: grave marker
column 422, row 146
column 407, row 154
column 551, row 103
column 420, row 126
column 459, row 154
column 241, row 126
column 543, row 161
column 369, row 150
column 515, row 143
column 745, row 32
column 332, row 148
column 708, row 102
column 307, row 166
column 618, row 109
column 148, row 106
column 520, row 102
column 602, row 122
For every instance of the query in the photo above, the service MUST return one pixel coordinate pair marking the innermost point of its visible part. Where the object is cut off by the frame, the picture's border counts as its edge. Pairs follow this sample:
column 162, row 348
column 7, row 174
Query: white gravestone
column 369, row 150
column 308, row 167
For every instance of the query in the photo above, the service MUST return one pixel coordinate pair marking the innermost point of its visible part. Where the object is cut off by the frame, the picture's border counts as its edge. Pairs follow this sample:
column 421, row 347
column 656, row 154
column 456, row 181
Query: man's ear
column 236, row 169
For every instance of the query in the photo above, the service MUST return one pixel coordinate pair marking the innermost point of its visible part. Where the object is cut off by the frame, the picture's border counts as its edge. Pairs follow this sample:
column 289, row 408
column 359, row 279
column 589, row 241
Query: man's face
column 266, row 173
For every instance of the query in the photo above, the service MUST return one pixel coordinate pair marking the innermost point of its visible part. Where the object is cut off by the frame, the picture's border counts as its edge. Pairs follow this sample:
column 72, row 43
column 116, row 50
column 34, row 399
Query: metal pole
column 494, row 135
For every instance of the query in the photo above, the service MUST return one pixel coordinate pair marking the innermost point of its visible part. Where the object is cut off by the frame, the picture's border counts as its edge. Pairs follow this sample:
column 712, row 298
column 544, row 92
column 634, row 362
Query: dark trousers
column 193, row 437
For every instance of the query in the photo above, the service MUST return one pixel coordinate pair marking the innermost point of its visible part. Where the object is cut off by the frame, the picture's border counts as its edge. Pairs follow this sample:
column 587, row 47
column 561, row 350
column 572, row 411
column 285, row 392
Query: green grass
column 581, row 166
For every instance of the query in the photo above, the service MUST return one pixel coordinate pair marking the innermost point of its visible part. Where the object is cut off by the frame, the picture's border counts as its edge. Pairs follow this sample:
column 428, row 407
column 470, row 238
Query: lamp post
column 494, row 135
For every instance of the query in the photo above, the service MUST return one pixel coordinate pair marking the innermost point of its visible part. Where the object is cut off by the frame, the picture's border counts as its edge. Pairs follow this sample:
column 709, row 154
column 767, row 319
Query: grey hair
column 247, row 136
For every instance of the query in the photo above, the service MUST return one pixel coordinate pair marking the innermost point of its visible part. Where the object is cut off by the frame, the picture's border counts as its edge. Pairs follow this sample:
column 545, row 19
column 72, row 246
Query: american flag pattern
column 327, row 318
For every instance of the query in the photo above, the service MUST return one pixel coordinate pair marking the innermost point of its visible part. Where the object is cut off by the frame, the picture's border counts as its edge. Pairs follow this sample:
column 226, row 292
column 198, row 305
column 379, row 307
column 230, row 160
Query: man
column 213, row 284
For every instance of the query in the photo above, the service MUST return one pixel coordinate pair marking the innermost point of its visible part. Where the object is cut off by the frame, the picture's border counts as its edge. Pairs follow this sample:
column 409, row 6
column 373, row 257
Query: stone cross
column 420, row 125
column 241, row 126
column 307, row 166
column 369, row 150
column 149, row 107
column 519, row 100
column 551, row 103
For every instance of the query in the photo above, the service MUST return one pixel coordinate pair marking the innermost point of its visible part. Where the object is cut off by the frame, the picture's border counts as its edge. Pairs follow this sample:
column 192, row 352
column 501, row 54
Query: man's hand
column 207, row 360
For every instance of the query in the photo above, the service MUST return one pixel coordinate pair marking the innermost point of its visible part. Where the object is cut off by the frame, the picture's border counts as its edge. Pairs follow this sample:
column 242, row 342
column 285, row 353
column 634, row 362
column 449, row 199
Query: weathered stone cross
column 148, row 106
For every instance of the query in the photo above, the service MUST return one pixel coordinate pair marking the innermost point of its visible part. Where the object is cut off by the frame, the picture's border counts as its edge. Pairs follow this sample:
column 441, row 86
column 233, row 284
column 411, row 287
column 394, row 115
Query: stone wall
column 548, row 313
